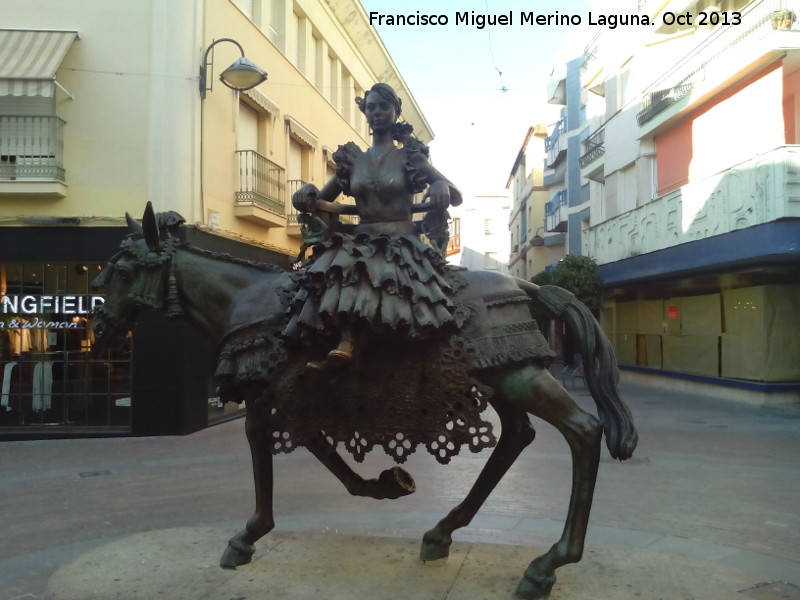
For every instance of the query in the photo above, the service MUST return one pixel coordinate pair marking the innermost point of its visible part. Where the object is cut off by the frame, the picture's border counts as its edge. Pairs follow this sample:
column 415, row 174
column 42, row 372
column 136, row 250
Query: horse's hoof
column 434, row 546
column 535, row 588
column 236, row 555
column 396, row 482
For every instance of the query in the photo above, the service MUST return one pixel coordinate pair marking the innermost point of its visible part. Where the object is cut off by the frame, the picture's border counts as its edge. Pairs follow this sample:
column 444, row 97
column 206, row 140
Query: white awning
column 264, row 102
column 300, row 133
column 29, row 60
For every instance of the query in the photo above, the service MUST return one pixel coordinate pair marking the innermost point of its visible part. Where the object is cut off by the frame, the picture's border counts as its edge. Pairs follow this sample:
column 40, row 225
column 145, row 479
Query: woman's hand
column 305, row 199
column 439, row 194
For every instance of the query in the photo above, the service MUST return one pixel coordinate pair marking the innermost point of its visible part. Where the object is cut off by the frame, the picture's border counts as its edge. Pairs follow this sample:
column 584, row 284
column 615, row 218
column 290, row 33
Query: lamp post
column 240, row 76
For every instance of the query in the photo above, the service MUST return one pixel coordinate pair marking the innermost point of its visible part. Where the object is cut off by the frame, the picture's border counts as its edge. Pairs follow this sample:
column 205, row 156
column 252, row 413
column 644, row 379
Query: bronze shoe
column 340, row 356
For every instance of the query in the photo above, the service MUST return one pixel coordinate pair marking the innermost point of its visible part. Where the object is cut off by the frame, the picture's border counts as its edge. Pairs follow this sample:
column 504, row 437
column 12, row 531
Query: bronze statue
column 434, row 345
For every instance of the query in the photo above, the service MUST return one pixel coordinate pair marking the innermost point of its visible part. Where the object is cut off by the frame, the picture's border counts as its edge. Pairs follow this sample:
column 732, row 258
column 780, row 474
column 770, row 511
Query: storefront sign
column 49, row 305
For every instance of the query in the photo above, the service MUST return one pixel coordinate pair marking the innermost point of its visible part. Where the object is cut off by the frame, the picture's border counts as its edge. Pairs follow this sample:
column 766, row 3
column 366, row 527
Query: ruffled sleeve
column 416, row 163
column 345, row 157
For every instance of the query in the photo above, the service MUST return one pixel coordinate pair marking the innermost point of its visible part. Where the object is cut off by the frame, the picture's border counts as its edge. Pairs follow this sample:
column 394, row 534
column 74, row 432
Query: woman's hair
column 401, row 131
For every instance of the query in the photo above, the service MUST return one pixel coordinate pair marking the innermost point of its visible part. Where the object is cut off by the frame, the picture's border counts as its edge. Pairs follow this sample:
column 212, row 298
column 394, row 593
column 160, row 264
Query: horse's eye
column 124, row 273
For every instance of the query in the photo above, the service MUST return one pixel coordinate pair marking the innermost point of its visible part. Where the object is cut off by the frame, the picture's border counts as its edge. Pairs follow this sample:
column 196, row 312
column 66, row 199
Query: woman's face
column 381, row 113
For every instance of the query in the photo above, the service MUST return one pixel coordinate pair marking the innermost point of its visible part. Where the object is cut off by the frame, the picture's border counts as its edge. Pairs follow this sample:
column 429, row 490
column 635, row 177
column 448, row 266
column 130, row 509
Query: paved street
column 712, row 480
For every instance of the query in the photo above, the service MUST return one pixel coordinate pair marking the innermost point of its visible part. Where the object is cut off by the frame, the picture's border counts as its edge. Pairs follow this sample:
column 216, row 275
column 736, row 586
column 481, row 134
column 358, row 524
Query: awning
column 264, row 102
column 296, row 130
column 29, row 60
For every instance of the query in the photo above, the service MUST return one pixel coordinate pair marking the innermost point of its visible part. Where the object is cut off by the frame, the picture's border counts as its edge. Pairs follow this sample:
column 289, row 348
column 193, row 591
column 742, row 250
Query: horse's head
column 137, row 277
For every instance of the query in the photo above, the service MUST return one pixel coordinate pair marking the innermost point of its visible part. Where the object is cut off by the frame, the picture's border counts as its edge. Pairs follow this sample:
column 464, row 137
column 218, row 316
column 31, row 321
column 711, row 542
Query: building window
column 293, row 40
column 247, row 7
column 31, row 136
column 261, row 182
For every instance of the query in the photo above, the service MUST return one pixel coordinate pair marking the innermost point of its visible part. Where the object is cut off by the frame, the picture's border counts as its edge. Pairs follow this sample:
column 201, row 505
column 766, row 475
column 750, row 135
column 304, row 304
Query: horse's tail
column 599, row 364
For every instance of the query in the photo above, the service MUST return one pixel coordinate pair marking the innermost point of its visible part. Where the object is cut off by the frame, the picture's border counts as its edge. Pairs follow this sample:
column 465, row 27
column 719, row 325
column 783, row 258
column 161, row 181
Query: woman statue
column 382, row 278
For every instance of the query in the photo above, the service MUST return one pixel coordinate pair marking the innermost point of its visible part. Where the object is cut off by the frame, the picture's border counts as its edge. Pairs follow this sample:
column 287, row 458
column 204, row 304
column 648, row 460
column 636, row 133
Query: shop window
column 50, row 371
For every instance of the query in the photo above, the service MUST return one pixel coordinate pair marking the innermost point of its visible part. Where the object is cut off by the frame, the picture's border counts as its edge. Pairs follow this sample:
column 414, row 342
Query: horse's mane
column 221, row 256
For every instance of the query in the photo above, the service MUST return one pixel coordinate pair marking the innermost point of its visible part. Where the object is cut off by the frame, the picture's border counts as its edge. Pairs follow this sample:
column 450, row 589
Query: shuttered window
column 248, row 128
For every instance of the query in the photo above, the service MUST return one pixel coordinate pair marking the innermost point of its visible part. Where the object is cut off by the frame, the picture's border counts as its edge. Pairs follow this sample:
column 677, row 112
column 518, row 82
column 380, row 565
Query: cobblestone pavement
column 715, row 480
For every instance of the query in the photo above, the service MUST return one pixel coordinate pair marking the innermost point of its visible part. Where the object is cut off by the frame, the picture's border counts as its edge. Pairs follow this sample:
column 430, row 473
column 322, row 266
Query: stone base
column 183, row 564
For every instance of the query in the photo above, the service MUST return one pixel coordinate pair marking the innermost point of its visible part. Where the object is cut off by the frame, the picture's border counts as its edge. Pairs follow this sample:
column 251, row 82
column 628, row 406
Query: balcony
column 762, row 190
column 729, row 51
column 556, row 143
column 592, row 163
column 31, row 156
column 261, row 197
column 556, row 212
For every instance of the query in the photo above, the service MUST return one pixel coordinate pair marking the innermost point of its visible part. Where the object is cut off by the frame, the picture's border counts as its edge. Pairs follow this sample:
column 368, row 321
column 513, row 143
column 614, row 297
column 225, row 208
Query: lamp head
column 243, row 75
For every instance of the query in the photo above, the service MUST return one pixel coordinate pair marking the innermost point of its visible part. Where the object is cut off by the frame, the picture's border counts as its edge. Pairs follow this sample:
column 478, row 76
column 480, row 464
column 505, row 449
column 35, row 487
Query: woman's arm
column 305, row 199
column 442, row 192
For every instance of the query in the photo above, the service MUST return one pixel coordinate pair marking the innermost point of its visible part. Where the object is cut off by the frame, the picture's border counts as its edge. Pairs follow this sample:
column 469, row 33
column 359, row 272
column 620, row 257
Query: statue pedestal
column 182, row 564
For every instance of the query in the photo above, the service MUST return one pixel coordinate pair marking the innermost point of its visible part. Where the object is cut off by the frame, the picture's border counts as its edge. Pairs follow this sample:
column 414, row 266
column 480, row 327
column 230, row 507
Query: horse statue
column 396, row 394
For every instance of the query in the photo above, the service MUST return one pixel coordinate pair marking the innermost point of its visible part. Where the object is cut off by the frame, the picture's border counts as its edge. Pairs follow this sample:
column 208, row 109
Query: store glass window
column 50, row 372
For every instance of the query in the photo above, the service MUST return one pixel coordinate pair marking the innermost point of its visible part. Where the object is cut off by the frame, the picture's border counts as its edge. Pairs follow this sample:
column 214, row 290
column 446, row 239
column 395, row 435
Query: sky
column 458, row 74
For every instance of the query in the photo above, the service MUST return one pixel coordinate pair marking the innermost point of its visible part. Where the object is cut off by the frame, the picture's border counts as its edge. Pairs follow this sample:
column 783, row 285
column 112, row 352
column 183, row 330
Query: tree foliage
column 579, row 275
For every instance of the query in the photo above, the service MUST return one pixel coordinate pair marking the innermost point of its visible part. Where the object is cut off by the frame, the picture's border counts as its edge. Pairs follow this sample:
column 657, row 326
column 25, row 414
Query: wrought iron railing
column 291, row 212
column 261, row 182
column 758, row 20
column 31, row 148
column 593, row 147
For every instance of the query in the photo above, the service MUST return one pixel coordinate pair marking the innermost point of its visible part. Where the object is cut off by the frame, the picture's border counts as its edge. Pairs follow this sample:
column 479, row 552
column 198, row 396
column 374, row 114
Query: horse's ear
column 133, row 225
column 150, row 228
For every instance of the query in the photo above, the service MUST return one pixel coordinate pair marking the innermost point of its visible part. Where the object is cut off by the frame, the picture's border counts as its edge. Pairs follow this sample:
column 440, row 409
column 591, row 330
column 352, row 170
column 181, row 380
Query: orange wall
column 673, row 155
column 791, row 98
column 733, row 127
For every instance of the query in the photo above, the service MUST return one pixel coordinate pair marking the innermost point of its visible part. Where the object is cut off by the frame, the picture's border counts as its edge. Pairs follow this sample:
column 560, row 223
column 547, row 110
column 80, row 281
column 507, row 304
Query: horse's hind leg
column 515, row 435
column 535, row 390
column 241, row 547
column 390, row 484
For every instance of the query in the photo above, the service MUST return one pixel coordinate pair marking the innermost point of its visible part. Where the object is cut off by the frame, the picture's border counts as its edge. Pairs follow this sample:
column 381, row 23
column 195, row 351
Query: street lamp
column 240, row 76
column 538, row 240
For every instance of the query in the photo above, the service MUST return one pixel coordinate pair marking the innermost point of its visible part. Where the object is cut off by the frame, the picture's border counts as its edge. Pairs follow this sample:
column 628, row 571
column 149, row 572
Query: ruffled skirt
column 391, row 283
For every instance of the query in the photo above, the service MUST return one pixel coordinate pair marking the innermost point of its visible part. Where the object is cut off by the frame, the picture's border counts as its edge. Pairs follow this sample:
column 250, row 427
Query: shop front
column 54, row 381
column 51, row 373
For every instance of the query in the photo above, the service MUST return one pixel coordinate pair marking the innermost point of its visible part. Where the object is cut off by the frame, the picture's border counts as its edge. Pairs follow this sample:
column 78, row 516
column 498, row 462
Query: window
column 31, row 138
column 247, row 128
column 293, row 40
column 51, row 373
column 246, row 6
column 274, row 25
column 334, row 80
column 313, row 62
column 261, row 182
column 31, row 133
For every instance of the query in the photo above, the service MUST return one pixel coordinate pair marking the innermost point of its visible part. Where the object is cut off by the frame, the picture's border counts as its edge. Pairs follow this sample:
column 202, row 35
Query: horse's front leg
column 241, row 546
column 535, row 390
column 390, row 484
column 516, row 433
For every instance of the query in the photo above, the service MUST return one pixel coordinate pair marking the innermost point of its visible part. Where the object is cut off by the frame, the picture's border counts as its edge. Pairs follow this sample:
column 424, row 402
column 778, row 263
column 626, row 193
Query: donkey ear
column 133, row 225
column 150, row 228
